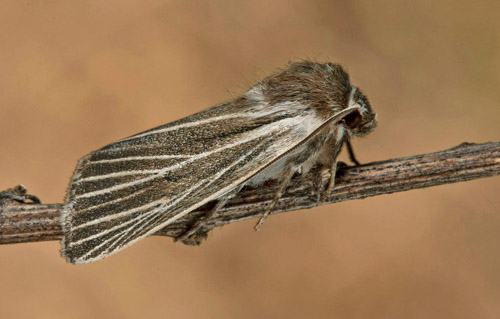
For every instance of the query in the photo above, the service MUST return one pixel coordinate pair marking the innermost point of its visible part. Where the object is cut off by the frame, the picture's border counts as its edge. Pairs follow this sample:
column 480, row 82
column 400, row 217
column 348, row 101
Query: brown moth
column 289, row 122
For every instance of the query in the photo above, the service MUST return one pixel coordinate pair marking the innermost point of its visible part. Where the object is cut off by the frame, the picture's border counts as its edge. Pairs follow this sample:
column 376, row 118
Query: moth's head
column 362, row 120
column 326, row 88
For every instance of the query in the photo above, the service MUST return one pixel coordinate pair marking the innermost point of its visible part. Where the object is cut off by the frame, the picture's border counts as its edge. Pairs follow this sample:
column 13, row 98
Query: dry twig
column 27, row 222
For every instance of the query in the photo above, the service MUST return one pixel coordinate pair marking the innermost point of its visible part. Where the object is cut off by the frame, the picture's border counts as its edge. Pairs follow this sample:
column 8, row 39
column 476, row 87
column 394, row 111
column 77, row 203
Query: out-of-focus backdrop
column 77, row 75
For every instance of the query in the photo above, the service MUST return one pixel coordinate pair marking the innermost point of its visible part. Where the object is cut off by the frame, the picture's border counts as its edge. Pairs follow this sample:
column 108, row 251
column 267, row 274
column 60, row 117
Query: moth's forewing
column 132, row 188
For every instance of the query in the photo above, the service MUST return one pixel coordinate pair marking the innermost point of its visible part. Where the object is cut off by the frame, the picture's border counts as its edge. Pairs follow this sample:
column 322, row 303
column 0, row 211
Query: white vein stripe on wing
column 262, row 131
column 139, row 158
column 120, row 174
column 189, row 124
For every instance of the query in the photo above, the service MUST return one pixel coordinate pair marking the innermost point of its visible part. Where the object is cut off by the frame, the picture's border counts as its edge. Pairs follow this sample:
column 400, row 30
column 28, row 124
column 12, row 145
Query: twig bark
column 28, row 222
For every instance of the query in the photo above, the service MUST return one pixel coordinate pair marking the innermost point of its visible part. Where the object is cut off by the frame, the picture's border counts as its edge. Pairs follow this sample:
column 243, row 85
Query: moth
column 291, row 121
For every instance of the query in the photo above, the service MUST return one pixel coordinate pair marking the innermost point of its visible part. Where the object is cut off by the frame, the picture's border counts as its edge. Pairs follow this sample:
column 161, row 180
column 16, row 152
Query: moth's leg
column 195, row 234
column 317, row 181
column 352, row 157
column 287, row 176
column 331, row 181
column 333, row 170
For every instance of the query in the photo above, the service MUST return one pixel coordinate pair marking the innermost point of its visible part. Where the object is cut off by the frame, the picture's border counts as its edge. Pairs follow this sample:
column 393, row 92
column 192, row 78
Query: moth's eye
column 353, row 120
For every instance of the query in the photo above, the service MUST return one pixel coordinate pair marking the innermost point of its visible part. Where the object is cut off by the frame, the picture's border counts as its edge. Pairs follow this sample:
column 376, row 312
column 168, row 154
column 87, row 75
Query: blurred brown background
column 77, row 75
